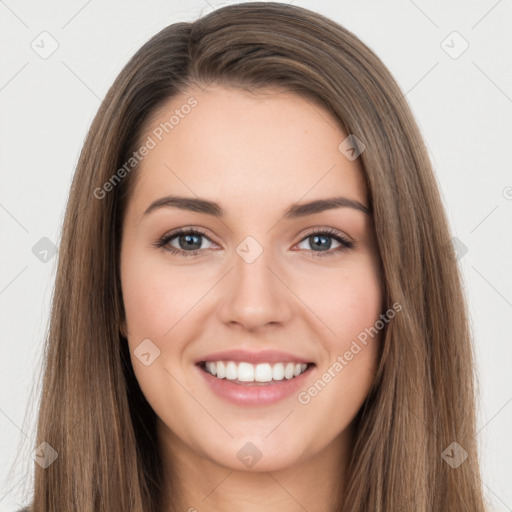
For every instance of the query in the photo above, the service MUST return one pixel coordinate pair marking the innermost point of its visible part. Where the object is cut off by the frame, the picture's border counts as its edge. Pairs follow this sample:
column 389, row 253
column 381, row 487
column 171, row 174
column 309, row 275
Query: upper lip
column 263, row 356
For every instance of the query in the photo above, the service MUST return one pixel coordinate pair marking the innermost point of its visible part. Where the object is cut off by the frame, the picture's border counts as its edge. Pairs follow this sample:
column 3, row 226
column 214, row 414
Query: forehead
column 244, row 148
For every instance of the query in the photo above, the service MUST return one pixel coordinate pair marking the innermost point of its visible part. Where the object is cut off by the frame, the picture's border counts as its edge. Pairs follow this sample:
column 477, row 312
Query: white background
column 463, row 106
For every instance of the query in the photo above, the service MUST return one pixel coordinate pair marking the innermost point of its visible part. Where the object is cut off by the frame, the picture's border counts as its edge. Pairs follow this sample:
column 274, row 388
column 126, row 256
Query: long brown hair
column 93, row 412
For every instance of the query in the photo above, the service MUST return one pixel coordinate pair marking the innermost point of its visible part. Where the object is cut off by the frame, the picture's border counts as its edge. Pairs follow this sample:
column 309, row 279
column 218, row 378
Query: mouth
column 262, row 385
column 243, row 373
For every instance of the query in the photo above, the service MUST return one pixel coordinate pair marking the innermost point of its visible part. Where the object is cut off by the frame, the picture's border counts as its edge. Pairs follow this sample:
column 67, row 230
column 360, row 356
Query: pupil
column 187, row 244
column 325, row 238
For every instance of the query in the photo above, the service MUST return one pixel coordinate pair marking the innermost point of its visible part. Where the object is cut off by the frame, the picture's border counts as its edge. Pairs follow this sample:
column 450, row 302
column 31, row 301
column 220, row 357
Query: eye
column 187, row 239
column 191, row 239
column 319, row 238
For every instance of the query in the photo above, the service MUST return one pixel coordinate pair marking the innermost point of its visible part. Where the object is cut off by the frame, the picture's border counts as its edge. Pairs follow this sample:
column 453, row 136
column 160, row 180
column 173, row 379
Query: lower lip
column 254, row 395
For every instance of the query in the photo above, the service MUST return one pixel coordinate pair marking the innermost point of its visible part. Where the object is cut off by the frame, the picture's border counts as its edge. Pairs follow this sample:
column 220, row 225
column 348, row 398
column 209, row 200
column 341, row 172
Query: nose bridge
column 255, row 295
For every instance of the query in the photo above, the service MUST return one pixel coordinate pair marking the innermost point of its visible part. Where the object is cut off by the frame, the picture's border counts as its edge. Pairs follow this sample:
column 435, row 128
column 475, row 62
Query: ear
column 122, row 328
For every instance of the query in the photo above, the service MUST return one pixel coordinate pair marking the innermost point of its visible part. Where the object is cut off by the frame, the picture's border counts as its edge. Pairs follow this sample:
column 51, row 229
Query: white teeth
column 211, row 367
column 221, row 369
column 262, row 372
column 278, row 371
column 247, row 372
column 231, row 373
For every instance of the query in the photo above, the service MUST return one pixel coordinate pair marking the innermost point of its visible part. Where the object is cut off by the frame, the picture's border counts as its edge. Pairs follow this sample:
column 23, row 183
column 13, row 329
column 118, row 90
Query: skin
column 256, row 155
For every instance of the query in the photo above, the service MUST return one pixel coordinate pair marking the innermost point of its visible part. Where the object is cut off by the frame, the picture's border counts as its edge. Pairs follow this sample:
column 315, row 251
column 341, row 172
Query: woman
column 263, row 368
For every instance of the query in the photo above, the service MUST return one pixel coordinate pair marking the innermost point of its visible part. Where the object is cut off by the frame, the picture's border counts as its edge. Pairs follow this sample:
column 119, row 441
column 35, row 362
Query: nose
column 255, row 294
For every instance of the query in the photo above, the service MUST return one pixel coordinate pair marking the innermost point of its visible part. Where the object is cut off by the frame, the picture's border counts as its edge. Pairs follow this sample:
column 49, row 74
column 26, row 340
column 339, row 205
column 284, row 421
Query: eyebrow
column 294, row 211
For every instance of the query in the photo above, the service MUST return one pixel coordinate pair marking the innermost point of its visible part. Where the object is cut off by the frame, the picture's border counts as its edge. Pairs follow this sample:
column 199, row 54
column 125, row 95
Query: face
column 260, row 286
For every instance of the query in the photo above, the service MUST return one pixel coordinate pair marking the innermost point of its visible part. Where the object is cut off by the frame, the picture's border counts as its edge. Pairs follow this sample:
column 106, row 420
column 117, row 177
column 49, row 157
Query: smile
column 245, row 384
column 243, row 372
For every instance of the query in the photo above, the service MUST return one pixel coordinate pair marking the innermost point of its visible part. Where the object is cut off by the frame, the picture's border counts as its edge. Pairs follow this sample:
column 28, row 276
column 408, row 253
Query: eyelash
column 345, row 244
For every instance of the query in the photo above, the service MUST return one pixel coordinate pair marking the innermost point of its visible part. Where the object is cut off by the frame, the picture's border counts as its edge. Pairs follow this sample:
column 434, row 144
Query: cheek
column 350, row 305
column 144, row 303
column 347, row 301
column 156, row 296
column 351, row 347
